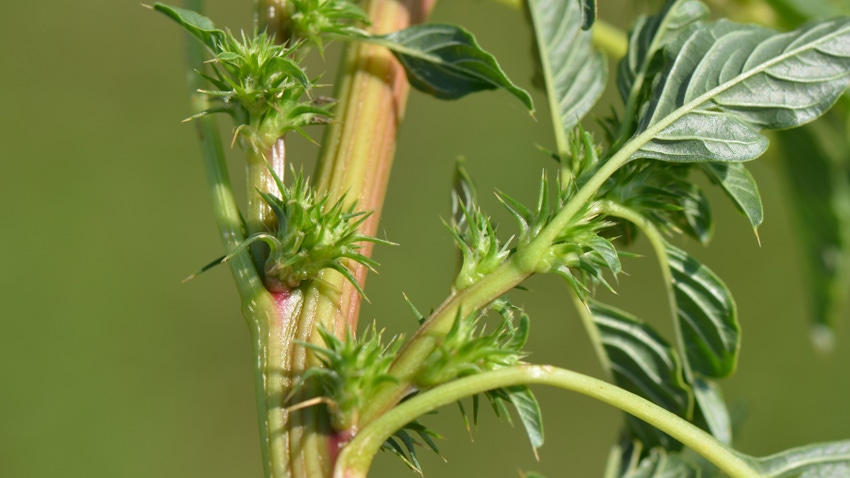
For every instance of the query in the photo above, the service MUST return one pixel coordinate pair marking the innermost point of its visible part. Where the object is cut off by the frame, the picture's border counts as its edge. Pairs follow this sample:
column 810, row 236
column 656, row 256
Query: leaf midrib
column 692, row 105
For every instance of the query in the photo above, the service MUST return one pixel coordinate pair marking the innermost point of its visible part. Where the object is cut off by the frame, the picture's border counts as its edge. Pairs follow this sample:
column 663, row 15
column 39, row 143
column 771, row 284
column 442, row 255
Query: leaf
column 710, row 404
column 574, row 72
column 446, row 62
column 529, row 414
column 823, row 460
column 588, row 13
column 740, row 186
column 815, row 159
column 649, row 36
column 198, row 25
column 725, row 82
column 707, row 316
column 645, row 364
column 663, row 464
column 696, row 212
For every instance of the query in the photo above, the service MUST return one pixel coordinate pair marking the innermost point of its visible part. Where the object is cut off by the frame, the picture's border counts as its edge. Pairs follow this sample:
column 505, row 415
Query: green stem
column 511, row 273
column 659, row 245
column 592, row 332
column 410, row 359
column 610, row 39
column 356, row 457
column 260, row 310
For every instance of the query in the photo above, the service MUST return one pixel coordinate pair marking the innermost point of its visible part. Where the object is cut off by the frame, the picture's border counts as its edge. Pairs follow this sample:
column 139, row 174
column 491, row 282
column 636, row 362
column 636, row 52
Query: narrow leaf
column 645, row 364
column 198, row 25
column 529, row 414
column 446, row 62
column 707, row 316
column 823, row 460
column 740, row 186
column 574, row 72
column 724, row 82
column 815, row 159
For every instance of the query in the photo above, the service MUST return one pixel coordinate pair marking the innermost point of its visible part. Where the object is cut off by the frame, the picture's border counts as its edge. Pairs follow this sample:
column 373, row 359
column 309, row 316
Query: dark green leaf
column 740, row 186
column 588, row 13
column 712, row 408
column 707, row 316
column 445, row 61
column 645, row 364
column 649, row 36
column 825, row 460
column 815, row 158
column 529, row 414
column 574, row 72
column 198, row 25
column 724, row 82
column 696, row 211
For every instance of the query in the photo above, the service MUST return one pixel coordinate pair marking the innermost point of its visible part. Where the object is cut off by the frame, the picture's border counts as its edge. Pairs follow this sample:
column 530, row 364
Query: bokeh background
column 110, row 367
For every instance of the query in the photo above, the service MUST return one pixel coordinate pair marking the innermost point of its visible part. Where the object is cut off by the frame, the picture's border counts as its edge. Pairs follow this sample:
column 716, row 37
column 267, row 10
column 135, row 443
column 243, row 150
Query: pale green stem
column 258, row 307
column 592, row 332
column 356, row 457
column 610, row 39
column 492, row 286
column 659, row 245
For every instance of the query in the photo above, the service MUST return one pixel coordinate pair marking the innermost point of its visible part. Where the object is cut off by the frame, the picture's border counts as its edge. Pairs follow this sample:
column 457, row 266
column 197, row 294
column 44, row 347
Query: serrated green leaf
column 529, row 414
column 724, row 82
column 815, row 158
column 574, row 72
column 712, row 408
column 740, row 187
column 196, row 24
column 824, row 460
column 649, row 36
column 707, row 316
column 446, row 62
column 643, row 363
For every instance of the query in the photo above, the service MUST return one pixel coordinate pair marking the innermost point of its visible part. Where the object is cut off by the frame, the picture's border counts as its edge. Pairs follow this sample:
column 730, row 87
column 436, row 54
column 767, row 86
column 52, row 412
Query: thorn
column 309, row 403
column 756, row 232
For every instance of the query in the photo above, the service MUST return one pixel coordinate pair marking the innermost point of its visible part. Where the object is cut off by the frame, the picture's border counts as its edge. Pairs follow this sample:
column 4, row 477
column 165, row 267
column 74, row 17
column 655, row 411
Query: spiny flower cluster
column 578, row 253
column 314, row 19
column 264, row 89
column 312, row 234
column 468, row 348
column 481, row 251
column 352, row 371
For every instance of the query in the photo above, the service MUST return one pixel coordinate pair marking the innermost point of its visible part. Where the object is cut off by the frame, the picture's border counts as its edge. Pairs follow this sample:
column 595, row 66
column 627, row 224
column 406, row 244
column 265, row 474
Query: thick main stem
column 355, row 162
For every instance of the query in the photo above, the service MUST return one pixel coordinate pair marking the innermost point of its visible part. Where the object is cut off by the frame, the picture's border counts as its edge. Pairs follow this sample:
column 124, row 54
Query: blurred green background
column 113, row 368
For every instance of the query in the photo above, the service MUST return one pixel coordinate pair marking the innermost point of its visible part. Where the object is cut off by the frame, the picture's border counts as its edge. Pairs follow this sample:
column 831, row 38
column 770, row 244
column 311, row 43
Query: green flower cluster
column 264, row 89
column 353, row 370
column 313, row 20
column 480, row 249
column 312, row 234
column 468, row 349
